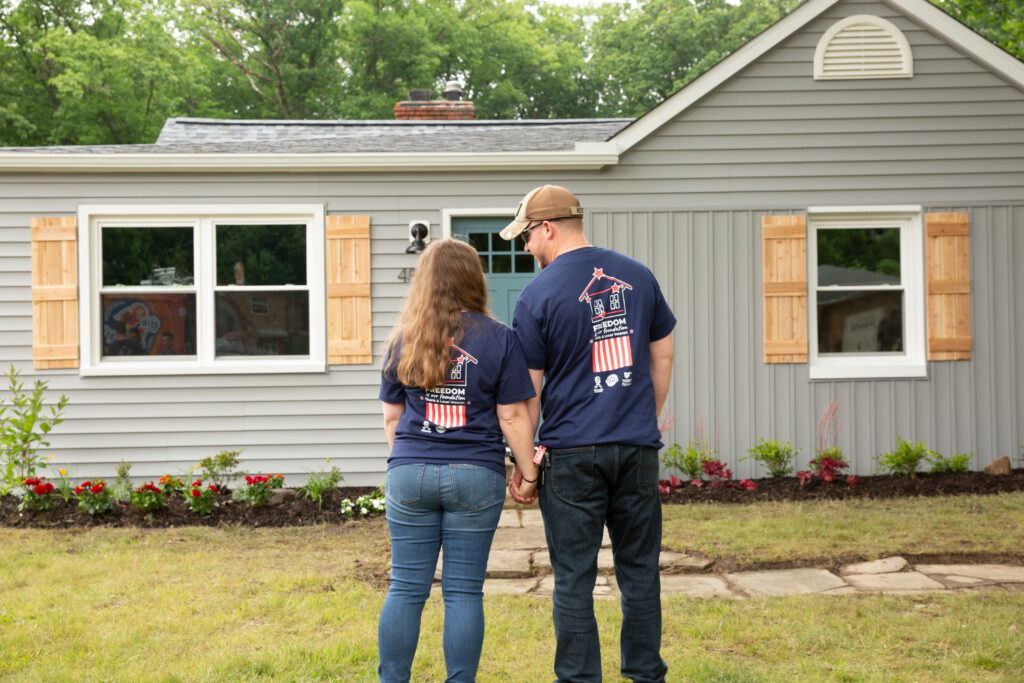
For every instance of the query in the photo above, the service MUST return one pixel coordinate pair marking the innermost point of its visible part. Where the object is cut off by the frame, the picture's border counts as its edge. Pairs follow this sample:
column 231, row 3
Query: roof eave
column 156, row 162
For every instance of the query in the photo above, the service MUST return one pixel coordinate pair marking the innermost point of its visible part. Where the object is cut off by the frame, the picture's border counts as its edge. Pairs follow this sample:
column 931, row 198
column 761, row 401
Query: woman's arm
column 392, row 414
column 519, row 428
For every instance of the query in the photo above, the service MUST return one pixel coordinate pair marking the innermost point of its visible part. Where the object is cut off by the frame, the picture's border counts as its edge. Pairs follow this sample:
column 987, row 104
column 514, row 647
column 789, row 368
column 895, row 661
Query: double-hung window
column 205, row 289
column 866, row 288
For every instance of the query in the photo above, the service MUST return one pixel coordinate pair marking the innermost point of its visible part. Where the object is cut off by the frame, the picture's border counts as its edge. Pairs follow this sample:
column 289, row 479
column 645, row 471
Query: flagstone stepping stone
column 898, row 582
column 887, row 565
column 1000, row 573
column 695, row 586
column 785, row 582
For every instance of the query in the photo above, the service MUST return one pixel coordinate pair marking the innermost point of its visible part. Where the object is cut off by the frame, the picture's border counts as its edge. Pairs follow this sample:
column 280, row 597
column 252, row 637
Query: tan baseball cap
column 543, row 203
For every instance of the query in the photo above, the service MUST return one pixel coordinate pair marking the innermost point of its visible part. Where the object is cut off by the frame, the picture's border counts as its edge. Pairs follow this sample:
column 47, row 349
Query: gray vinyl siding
column 688, row 201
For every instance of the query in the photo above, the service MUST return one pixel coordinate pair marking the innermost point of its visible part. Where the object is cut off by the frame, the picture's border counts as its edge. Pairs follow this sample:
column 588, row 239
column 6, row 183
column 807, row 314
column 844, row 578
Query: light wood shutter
column 349, row 324
column 948, row 282
column 784, row 256
column 54, row 293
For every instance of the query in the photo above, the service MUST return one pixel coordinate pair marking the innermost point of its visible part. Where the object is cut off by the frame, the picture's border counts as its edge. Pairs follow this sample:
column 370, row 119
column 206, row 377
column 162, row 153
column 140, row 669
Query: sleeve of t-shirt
column 515, row 383
column 527, row 331
column 391, row 390
column 663, row 321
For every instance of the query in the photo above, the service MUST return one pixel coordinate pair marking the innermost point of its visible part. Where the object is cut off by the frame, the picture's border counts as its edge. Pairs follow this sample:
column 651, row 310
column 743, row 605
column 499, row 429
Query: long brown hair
column 448, row 280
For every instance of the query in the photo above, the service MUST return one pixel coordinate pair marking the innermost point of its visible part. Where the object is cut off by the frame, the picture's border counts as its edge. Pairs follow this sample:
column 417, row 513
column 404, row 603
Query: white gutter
column 156, row 162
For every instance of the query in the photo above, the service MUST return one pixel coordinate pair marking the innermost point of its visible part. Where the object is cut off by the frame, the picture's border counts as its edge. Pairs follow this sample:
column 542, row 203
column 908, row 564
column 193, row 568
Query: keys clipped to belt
column 542, row 459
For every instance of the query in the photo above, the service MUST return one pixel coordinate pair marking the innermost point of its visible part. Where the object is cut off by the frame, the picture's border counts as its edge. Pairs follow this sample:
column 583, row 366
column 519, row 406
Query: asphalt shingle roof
column 204, row 136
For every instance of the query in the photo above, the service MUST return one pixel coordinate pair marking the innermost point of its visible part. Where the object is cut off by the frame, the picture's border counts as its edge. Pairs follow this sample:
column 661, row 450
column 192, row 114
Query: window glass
column 858, row 257
column 478, row 240
column 135, row 257
column 501, row 263
column 256, row 255
column 525, row 263
column 149, row 324
column 860, row 321
column 263, row 323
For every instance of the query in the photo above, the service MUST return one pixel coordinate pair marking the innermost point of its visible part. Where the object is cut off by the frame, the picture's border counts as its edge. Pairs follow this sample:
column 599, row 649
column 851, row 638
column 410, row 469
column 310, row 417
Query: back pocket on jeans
column 572, row 474
column 403, row 483
column 475, row 487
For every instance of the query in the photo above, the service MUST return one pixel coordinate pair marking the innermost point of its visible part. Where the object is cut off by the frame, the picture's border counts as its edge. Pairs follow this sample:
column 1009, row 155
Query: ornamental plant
column 717, row 473
column 687, row 459
column 39, row 495
column 172, row 485
column 201, row 501
column 221, row 468
column 827, row 468
column 64, row 485
column 257, row 488
column 122, row 488
column 94, row 499
column 954, row 463
column 667, row 486
column 149, row 497
column 905, row 458
column 778, row 458
column 23, row 429
column 321, row 482
column 364, row 505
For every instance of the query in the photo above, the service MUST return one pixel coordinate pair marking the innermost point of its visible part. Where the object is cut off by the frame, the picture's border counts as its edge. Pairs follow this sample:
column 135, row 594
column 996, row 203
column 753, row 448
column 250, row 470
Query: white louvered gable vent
column 863, row 46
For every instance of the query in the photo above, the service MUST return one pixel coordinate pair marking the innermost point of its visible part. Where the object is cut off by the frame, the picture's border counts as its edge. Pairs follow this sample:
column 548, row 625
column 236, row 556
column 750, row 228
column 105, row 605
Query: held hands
column 522, row 491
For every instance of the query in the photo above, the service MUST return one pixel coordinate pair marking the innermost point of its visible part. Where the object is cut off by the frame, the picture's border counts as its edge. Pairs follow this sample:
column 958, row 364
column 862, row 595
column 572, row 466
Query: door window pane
column 280, row 328
column 135, row 257
column 478, row 240
column 501, row 263
column 257, row 255
column 858, row 256
column 149, row 324
column 524, row 263
column 860, row 321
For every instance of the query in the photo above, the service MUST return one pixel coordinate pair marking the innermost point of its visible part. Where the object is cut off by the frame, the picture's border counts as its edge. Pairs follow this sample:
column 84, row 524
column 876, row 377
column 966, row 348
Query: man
column 596, row 332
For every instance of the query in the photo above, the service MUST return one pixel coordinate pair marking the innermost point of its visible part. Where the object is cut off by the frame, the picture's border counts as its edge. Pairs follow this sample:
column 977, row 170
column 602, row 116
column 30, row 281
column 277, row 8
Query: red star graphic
column 598, row 273
column 615, row 288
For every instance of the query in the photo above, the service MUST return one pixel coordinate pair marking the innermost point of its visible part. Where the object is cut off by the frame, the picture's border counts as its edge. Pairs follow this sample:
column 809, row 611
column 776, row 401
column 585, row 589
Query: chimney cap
column 453, row 91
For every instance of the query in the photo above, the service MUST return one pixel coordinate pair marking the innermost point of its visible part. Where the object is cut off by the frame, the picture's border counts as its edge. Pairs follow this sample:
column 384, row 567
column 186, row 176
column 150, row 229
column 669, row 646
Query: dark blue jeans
column 429, row 506
column 585, row 489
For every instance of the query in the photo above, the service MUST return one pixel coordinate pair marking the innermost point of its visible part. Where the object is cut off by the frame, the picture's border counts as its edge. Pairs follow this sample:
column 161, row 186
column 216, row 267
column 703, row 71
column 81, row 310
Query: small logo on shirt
column 425, row 427
column 627, row 379
column 612, row 380
column 597, row 385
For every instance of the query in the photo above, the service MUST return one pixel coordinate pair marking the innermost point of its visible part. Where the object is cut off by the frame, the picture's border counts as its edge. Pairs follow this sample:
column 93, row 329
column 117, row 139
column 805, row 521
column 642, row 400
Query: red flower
column 248, row 479
column 79, row 488
column 852, row 480
column 42, row 489
column 674, row 482
column 33, row 482
column 212, row 487
column 803, row 476
column 197, row 482
column 748, row 485
column 196, row 493
column 98, row 488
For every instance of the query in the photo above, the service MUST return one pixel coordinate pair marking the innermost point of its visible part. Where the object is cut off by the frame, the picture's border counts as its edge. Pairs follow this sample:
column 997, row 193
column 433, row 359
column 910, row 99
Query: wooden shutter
column 54, row 293
column 349, row 325
column 948, row 282
column 784, row 264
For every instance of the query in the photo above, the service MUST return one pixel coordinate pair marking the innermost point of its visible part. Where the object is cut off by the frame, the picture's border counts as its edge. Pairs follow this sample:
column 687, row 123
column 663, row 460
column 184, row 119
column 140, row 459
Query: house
column 835, row 212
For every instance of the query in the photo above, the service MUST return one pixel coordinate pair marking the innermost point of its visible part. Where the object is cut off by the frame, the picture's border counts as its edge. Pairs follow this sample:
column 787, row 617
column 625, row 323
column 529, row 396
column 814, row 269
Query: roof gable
column 923, row 12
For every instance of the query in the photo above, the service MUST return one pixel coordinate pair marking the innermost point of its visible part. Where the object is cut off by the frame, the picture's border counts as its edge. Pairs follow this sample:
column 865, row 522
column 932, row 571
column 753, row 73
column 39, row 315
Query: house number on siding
column 406, row 274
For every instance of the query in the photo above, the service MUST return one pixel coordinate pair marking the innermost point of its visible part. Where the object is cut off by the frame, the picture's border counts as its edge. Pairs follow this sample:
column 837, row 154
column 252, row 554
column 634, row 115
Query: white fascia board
column 718, row 74
column 933, row 18
column 341, row 163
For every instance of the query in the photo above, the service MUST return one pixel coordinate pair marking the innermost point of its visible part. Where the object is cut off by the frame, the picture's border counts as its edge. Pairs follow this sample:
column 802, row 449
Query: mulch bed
column 284, row 509
column 878, row 486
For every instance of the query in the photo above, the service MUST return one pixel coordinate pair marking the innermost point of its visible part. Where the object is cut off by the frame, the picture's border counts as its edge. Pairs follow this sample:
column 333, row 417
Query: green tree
column 90, row 73
column 1000, row 21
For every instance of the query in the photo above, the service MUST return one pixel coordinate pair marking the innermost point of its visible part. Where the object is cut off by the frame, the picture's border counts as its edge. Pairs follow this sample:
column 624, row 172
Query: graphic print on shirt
column 606, row 297
column 446, row 405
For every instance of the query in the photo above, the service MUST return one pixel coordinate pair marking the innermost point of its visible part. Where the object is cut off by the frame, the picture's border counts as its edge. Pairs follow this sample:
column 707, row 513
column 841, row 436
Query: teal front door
column 507, row 266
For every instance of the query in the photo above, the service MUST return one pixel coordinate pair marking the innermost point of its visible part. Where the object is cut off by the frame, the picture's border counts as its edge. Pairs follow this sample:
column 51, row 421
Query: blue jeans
column 585, row 489
column 428, row 507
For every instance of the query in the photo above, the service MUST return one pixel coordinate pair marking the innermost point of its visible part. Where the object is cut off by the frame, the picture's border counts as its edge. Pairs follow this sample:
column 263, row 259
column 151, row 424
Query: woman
column 454, row 381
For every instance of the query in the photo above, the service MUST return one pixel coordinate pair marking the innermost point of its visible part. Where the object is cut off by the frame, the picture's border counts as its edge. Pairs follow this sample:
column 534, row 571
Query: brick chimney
column 452, row 108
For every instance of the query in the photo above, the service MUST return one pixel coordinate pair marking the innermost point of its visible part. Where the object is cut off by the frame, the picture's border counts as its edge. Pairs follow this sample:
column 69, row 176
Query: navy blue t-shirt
column 457, row 422
column 587, row 320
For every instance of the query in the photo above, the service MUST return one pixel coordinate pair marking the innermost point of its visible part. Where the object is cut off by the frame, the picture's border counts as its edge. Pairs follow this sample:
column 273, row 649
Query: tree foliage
column 112, row 71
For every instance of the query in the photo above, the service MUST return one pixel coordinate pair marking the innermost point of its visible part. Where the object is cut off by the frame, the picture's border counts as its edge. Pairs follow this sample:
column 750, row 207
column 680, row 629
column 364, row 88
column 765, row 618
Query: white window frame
column 912, row 362
column 448, row 214
column 203, row 218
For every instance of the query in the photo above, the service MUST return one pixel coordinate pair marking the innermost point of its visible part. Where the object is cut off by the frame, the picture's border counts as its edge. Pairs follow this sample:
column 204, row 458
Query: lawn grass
column 828, row 533
column 301, row 604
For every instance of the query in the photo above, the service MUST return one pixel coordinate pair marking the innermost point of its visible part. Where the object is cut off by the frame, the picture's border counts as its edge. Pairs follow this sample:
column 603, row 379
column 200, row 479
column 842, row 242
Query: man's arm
column 662, row 354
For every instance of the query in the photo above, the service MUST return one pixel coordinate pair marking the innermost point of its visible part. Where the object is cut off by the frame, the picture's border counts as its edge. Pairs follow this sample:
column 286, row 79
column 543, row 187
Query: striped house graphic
column 612, row 354
column 446, row 415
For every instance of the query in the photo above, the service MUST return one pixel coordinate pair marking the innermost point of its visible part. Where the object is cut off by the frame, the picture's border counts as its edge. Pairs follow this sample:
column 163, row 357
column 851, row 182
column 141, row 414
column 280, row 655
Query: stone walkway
column 519, row 564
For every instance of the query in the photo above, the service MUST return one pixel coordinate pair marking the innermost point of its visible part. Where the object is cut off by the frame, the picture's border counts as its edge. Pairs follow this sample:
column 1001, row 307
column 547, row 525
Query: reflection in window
column 859, row 321
column 858, row 256
column 149, row 324
column 282, row 331
column 147, row 256
column 260, row 255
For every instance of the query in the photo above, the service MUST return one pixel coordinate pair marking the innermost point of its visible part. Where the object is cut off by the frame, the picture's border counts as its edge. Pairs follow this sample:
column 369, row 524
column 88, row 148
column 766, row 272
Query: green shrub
column 221, row 468
column 777, row 457
column 320, row 483
column 905, row 458
column 955, row 463
column 23, row 430
column 687, row 461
